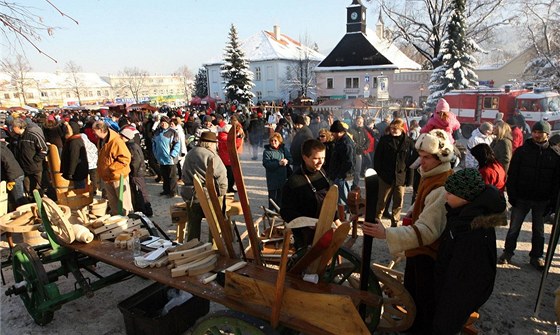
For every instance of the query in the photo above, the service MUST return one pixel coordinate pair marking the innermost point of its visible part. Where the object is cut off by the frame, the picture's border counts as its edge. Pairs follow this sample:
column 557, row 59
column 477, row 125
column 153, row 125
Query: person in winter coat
column 303, row 133
column 112, row 163
column 177, row 125
column 91, row 152
column 256, row 131
column 502, row 145
column 167, row 148
column 442, row 119
column 465, row 269
column 12, row 174
column 30, row 154
column 491, row 170
column 533, row 184
column 285, row 128
column 325, row 137
column 418, row 238
column 73, row 162
column 196, row 163
column 223, row 150
column 391, row 161
column 483, row 134
column 276, row 161
column 361, row 142
column 342, row 161
column 141, row 197
column 54, row 133
column 516, row 135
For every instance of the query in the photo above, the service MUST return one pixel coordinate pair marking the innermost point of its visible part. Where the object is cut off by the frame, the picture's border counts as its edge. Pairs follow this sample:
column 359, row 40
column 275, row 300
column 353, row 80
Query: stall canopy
column 196, row 100
column 208, row 100
column 136, row 107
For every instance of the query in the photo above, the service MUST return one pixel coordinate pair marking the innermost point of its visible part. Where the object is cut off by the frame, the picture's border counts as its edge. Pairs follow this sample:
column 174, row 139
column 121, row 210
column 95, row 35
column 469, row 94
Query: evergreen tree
column 238, row 79
column 201, row 82
column 456, row 69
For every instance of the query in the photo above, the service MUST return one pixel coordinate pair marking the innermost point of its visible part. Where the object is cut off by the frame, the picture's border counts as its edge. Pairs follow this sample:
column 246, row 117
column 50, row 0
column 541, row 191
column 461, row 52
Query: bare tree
column 421, row 23
column 21, row 25
column 187, row 80
column 74, row 80
column 18, row 69
column 543, row 27
column 299, row 75
column 133, row 80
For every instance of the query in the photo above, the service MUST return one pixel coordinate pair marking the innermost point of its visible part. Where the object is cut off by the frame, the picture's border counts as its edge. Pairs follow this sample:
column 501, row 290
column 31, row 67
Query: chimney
column 276, row 32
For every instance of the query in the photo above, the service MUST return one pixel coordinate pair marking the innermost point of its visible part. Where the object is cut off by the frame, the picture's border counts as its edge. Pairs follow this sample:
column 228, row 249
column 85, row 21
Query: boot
column 148, row 209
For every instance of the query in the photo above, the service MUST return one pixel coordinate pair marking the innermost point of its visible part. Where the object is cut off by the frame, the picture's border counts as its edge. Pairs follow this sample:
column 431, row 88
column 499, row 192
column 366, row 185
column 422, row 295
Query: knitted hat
column 337, row 127
column 466, row 184
column 436, row 142
column 442, row 106
column 541, row 126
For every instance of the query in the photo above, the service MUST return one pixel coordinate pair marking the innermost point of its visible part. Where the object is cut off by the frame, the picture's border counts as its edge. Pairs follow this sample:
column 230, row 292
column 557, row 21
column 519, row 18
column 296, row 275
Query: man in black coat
column 393, row 155
column 342, row 161
column 140, row 195
column 12, row 174
column 303, row 133
column 31, row 152
column 532, row 185
column 73, row 161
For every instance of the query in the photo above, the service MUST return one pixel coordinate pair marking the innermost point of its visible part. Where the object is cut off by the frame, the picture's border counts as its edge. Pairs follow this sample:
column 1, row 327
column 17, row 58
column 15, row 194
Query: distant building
column 274, row 58
column 363, row 56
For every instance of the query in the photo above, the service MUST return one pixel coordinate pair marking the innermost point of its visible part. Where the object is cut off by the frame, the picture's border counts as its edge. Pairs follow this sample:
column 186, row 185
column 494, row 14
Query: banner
column 382, row 88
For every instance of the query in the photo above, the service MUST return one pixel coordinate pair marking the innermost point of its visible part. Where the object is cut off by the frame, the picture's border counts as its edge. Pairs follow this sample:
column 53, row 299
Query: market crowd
column 447, row 233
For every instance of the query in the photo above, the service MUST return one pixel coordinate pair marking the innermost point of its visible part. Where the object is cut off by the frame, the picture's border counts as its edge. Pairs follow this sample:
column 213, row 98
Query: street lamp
column 421, row 102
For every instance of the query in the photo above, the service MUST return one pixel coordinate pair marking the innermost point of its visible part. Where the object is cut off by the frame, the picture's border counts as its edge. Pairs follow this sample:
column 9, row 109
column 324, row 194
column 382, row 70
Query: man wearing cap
column 303, row 133
column 167, row 147
column 196, row 163
column 113, row 161
column 422, row 227
column 532, row 185
column 466, row 265
column 341, row 161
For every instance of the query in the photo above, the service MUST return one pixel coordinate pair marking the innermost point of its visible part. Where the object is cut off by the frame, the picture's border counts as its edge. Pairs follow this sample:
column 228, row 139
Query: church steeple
column 356, row 17
column 380, row 27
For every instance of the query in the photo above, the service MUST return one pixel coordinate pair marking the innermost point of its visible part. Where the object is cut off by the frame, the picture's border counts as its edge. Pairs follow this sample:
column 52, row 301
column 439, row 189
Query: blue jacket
column 166, row 146
column 276, row 175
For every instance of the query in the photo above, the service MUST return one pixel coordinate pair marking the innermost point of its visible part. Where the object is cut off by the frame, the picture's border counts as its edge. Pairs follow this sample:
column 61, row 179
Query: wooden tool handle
column 280, row 279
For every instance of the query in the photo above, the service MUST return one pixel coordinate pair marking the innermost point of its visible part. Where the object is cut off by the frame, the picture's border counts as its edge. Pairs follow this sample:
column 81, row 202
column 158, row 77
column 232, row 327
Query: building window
column 44, row 94
column 67, row 94
column 6, row 95
column 330, row 83
column 352, row 82
column 269, row 73
column 98, row 93
column 257, row 74
column 259, row 95
column 491, row 102
column 29, row 95
column 106, row 93
column 155, row 92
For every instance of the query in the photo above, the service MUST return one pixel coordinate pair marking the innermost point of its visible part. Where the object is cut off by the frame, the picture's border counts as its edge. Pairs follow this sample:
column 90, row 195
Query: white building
column 273, row 57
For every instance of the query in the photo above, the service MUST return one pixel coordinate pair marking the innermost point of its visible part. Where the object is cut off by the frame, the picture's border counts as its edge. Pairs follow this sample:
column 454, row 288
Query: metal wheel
column 230, row 322
column 29, row 271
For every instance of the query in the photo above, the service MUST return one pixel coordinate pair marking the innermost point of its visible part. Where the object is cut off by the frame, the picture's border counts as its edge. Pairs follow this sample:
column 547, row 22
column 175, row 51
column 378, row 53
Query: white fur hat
column 436, row 142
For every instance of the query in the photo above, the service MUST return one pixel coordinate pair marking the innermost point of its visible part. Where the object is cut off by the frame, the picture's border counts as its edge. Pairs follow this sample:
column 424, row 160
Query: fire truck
column 475, row 106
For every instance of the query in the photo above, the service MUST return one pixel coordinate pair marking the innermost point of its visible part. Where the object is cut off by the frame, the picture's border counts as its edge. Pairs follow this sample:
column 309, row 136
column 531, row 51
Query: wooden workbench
column 106, row 252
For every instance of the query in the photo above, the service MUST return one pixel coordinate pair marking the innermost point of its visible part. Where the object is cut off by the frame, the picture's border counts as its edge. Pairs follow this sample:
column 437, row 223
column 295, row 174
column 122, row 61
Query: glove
column 10, row 185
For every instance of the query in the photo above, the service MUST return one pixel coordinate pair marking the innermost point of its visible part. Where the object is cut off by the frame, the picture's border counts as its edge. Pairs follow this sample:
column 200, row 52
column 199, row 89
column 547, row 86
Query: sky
column 160, row 36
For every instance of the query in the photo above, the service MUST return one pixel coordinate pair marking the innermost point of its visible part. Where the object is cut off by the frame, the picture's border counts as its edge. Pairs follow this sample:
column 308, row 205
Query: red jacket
column 494, row 175
column 517, row 138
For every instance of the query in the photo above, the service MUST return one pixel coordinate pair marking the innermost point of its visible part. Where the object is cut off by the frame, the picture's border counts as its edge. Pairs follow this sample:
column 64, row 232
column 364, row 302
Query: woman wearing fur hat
column 466, row 265
column 426, row 221
column 442, row 119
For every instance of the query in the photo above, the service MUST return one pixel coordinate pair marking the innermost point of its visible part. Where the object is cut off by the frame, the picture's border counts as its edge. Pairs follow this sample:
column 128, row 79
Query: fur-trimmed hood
column 486, row 211
column 489, row 221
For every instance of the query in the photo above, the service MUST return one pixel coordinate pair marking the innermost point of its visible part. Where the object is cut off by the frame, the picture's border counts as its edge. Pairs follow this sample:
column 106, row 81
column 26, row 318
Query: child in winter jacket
column 465, row 269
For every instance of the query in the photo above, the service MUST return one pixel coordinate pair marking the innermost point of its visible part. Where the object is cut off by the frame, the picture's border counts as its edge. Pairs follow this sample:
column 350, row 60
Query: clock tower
column 356, row 17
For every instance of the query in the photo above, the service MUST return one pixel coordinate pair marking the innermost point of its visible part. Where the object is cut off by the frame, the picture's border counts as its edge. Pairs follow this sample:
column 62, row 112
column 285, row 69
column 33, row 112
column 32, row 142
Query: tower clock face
column 354, row 16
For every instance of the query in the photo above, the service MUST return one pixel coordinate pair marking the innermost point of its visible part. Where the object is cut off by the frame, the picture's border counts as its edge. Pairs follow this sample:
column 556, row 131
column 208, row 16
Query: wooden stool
column 179, row 216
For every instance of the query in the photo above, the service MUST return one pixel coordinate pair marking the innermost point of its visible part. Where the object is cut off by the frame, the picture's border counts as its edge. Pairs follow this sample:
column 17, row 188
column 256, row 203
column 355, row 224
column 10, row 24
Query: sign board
column 366, row 91
column 382, row 88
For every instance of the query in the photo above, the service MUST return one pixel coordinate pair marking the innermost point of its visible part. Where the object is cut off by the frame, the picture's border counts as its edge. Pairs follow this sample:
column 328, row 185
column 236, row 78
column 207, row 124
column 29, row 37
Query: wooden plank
column 242, row 192
column 187, row 253
column 326, row 218
column 192, row 258
column 223, row 223
column 312, row 254
column 210, row 216
column 279, row 287
column 184, row 269
column 338, row 239
column 115, row 232
column 315, row 309
column 113, row 222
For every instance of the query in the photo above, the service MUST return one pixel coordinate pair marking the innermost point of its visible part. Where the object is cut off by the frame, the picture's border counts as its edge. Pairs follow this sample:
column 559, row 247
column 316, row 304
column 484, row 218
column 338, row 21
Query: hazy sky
column 159, row 36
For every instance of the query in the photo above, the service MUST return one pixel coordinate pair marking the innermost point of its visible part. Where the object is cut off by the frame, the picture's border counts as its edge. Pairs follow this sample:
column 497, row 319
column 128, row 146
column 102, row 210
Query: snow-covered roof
column 385, row 54
column 48, row 80
column 265, row 45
